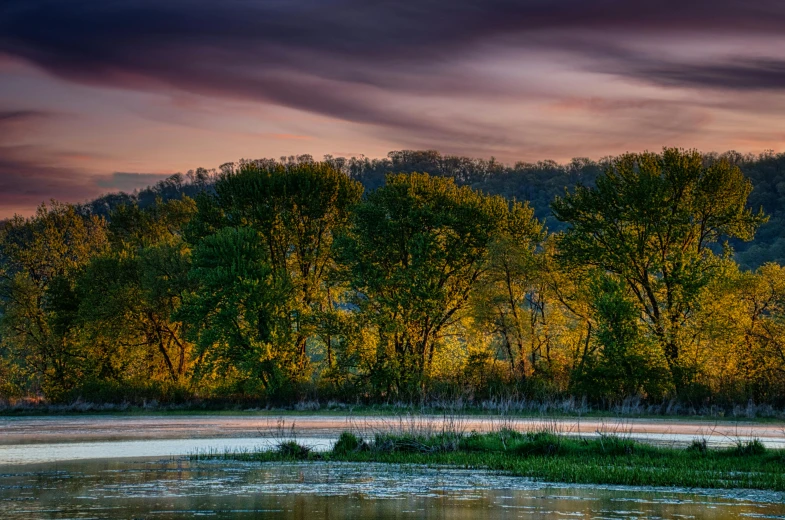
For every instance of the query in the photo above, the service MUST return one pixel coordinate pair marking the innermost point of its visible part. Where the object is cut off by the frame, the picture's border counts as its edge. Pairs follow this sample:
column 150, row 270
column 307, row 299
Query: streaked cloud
column 166, row 85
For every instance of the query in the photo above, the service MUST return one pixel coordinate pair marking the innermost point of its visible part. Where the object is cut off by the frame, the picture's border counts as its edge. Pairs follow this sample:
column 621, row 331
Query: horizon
column 91, row 92
column 133, row 183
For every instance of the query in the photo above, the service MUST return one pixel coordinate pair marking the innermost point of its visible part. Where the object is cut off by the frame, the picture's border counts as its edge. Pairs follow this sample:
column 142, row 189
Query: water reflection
column 183, row 489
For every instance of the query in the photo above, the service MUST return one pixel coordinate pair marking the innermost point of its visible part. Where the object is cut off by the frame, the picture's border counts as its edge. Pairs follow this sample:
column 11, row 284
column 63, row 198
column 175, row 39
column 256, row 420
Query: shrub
column 290, row 449
column 408, row 443
column 539, row 443
column 700, row 445
column 347, row 443
column 749, row 448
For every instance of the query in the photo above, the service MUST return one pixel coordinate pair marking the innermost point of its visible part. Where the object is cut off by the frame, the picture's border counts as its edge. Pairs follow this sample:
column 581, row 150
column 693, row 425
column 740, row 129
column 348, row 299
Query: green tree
column 757, row 312
column 414, row 254
column 624, row 364
column 652, row 220
column 292, row 211
column 128, row 296
column 239, row 317
column 40, row 259
column 510, row 301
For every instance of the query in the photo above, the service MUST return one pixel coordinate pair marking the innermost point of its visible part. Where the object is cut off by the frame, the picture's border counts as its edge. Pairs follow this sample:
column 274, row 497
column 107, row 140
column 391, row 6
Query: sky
column 108, row 95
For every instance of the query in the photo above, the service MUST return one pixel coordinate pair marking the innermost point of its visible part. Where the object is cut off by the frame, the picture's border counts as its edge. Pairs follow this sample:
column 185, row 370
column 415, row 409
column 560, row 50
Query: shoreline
column 763, row 414
column 547, row 457
column 98, row 427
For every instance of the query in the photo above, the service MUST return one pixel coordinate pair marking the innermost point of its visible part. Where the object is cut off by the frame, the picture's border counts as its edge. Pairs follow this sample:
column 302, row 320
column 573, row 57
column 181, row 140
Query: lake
column 179, row 488
column 105, row 467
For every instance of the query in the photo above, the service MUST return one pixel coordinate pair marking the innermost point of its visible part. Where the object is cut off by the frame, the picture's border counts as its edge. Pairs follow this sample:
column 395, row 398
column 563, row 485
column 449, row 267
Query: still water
column 178, row 488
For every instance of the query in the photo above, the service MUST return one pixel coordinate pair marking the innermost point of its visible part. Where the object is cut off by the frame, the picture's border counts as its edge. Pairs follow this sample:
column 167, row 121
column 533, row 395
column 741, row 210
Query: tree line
column 275, row 281
column 538, row 183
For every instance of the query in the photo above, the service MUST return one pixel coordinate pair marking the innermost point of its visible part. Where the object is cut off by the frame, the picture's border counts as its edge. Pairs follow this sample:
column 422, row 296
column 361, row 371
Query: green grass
column 547, row 457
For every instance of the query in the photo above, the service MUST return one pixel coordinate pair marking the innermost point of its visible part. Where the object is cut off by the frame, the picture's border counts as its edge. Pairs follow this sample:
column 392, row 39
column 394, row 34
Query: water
column 178, row 488
column 26, row 440
column 133, row 467
column 60, row 452
column 93, row 428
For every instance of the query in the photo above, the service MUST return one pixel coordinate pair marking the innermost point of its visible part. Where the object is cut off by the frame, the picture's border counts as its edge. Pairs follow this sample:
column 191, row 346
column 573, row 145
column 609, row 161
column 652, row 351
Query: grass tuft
column 348, row 443
column 750, row 448
column 699, row 445
column 293, row 450
column 412, row 443
column 615, row 445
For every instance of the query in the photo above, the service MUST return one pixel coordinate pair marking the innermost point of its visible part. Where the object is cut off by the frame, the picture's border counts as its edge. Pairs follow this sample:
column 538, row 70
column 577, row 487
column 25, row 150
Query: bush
column 347, row 443
column 292, row 450
column 502, row 440
column 538, row 443
column 408, row 443
column 749, row 448
column 699, row 446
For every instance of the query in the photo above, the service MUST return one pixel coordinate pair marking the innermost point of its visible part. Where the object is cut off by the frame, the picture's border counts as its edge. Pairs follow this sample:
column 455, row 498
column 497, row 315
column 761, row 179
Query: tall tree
column 238, row 317
column 652, row 220
column 292, row 211
column 414, row 254
column 40, row 258
column 510, row 300
column 128, row 296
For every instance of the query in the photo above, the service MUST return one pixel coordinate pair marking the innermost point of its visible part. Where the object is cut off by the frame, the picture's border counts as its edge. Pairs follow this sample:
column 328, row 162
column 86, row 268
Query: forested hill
column 537, row 183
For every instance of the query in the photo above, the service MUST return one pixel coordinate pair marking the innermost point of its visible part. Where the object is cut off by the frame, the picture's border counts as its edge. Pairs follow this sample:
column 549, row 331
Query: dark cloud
column 25, row 182
column 12, row 116
column 737, row 74
column 31, row 174
column 337, row 58
column 15, row 124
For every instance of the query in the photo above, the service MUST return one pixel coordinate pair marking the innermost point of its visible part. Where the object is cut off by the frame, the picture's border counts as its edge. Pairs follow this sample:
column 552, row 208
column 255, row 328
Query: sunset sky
column 107, row 95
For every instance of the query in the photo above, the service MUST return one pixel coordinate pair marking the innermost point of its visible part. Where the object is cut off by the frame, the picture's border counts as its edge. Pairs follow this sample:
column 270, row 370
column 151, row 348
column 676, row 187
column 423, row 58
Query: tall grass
column 547, row 453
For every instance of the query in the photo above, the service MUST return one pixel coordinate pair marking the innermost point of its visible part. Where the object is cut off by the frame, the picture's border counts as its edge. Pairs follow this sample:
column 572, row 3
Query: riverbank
column 544, row 456
column 567, row 408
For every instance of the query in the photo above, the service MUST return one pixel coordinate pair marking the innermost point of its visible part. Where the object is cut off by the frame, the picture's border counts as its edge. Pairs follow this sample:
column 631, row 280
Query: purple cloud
column 336, row 57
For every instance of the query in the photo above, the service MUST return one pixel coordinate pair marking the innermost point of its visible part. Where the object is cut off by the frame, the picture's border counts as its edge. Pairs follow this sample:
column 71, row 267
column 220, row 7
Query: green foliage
column 237, row 315
column 699, row 446
column 293, row 450
column 263, row 265
column 413, row 256
column 749, row 448
column 125, row 299
column 651, row 220
column 511, row 299
column 347, row 442
column 626, row 361
column 280, row 282
column 416, row 443
column 545, row 443
column 40, row 258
